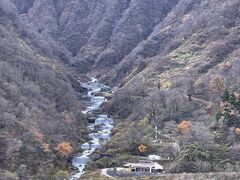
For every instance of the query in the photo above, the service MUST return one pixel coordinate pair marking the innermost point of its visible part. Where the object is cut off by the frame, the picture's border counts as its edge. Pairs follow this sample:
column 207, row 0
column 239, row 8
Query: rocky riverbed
column 100, row 126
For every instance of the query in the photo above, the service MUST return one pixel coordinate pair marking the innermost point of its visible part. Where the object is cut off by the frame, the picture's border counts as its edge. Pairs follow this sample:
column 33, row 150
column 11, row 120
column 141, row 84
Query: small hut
column 144, row 166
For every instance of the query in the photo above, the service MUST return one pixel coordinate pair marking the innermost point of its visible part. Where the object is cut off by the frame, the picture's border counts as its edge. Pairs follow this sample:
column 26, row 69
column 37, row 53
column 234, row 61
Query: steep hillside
column 96, row 33
column 39, row 106
column 111, row 39
column 174, row 63
column 192, row 30
column 174, row 80
column 196, row 41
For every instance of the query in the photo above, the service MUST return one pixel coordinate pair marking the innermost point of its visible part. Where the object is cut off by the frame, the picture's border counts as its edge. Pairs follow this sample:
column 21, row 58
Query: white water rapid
column 97, row 138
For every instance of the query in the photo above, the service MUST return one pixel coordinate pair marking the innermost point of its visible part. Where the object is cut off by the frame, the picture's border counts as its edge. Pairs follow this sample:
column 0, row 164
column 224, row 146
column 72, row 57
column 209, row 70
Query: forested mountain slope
column 39, row 106
column 123, row 35
column 172, row 61
column 175, row 80
column 96, row 33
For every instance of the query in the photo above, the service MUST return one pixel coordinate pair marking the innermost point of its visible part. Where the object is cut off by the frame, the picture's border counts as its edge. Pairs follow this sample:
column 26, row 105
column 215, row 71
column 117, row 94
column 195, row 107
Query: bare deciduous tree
column 217, row 84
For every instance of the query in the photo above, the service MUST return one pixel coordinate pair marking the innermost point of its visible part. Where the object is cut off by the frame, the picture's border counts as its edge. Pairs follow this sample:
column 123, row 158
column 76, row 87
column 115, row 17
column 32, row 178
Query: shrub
column 184, row 126
column 45, row 147
column 61, row 175
column 237, row 131
column 142, row 148
column 64, row 148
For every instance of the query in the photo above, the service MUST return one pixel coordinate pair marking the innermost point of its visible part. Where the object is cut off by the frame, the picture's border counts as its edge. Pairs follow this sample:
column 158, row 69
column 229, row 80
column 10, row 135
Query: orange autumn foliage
column 184, row 126
column 64, row 148
column 142, row 148
column 237, row 131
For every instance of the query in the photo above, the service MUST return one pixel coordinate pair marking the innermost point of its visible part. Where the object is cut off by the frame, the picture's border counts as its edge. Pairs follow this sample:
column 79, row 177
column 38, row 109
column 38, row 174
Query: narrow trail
column 209, row 103
column 104, row 172
column 202, row 100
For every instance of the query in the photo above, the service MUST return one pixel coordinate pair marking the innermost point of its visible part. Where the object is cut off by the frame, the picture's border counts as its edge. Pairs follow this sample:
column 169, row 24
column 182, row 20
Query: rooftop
column 144, row 164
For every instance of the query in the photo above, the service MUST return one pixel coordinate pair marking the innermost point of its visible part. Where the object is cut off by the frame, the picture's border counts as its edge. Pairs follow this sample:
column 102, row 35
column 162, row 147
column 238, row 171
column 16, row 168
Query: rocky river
column 100, row 128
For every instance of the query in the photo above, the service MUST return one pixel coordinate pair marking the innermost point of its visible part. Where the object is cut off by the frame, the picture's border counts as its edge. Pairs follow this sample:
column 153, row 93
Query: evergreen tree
column 218, row 115
column 226, row 95
column 232, row 99
column 237, row 105
column 238, row 122
column 228, row 120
